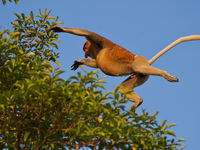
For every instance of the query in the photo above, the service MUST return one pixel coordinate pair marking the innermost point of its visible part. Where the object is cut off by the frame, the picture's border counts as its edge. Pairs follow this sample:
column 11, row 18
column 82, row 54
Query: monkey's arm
column 88, row 62
column 76, row 31
column 91, row 36
column 180, row 40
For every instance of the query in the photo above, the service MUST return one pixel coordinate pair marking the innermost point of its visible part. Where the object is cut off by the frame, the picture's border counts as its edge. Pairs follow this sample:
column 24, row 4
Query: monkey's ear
column 56, row 29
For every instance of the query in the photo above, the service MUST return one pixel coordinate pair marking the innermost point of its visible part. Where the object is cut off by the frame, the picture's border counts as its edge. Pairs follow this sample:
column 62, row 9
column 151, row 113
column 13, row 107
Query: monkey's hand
column 56, row 29
column 76, row 65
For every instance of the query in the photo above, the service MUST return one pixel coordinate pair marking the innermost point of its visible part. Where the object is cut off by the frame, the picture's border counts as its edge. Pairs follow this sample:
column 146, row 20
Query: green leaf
column 59, row 22
column 4, row 2
column 164, row 128
column 45, row 11
column 181, row 140
column 101, row 81
column 16, row 33
column 15, row 25
column 49, row 12
column 31, row 14
column 163, row 123
column 40, row 16
column 155, row 114
column 50, row 17
column 26, row 135
column 23, row 16
column 52, row 146
column 18, row 16
column 101, row 133
column 2, row 107
column 171, row 133
column 16, row 1
column 103, row 101
column 57, row 63
column 31, row 54
column 171, row 125
column 183, row 147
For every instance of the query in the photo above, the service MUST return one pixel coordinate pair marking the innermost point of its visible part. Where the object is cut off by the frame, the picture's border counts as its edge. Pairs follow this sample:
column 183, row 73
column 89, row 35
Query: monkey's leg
column 141, row 65
column 88, row 62
column 128, row 85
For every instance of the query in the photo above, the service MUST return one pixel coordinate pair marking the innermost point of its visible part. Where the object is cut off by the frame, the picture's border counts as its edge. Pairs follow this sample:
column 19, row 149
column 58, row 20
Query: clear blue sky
column 144, row 28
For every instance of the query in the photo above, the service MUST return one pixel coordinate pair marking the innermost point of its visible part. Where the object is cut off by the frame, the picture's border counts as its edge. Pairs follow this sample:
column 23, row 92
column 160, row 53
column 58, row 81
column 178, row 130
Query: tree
column 40, row 110
column 4, row 1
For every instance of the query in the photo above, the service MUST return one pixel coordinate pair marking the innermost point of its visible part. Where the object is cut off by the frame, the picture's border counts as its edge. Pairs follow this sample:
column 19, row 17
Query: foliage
column 40, row 110
column 4, row 1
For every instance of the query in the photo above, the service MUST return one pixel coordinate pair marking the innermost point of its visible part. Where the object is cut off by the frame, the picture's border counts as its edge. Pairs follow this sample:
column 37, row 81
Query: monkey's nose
column 86, row 53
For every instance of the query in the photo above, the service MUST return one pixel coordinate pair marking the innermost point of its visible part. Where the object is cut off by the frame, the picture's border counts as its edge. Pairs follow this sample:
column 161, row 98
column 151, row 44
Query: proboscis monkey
column 115, row 60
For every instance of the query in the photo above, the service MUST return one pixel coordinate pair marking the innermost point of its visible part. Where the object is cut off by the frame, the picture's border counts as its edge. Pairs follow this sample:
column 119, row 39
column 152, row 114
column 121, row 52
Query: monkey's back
column 120, row 54
column 115, row 61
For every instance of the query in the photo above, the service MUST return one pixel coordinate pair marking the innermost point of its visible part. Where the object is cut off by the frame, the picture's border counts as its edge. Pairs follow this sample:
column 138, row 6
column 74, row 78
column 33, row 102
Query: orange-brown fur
column 117, row 53
column 120, row 54
column 115, row 56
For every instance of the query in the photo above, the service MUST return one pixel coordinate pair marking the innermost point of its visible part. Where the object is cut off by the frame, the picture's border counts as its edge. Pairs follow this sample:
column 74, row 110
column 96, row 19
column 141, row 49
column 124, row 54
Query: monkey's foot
column 172, row 79
column 169, row 77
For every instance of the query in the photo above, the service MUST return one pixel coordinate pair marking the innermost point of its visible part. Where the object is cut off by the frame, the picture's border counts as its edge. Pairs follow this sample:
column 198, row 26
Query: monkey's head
column 91, row 49
column 86, row 48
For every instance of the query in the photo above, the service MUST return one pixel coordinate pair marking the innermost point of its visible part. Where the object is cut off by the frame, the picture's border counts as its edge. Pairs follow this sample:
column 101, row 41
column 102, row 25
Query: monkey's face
column 91, row 50
column 86, row 48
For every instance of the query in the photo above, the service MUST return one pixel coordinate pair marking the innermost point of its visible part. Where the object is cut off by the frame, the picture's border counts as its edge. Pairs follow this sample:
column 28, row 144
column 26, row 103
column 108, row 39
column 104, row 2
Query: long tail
column 180, row 40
